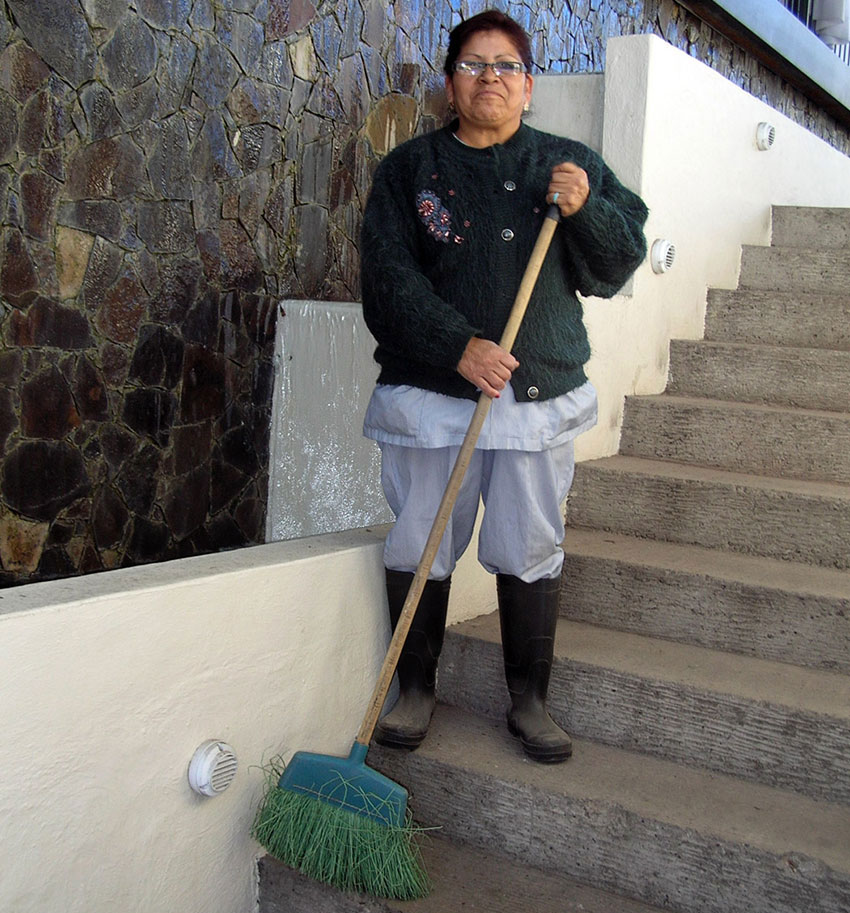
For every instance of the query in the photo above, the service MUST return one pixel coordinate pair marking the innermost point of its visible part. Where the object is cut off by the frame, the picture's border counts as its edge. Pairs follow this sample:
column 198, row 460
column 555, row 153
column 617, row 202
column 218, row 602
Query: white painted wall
column 109, row 682
column 570, row 106
column 323, row 474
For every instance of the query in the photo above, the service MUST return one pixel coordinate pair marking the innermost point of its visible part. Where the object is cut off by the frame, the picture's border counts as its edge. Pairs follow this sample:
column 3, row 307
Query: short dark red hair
column 488, row 21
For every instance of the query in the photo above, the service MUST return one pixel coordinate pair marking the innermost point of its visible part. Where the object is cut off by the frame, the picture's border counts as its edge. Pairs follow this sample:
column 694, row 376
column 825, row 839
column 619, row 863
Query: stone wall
column 171, row 169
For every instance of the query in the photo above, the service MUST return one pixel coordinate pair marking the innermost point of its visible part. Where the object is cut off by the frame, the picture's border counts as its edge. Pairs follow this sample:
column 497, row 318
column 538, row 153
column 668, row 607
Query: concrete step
column 807, row 522
column 781, row 375
column 815, row 227
column 465, row 878
column 773, row 723
column 794, row 269
column 776, row 610
column 779, row 318
column 685, row 839
column 742, row 437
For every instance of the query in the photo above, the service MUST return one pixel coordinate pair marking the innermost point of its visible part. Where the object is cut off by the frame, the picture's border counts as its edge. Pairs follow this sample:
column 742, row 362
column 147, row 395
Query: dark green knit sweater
column 447, row 233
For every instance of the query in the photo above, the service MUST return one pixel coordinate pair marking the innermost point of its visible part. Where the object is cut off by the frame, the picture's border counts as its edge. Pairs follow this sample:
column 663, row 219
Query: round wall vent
column 662, row 255
column 212, row 768
column 765, row 136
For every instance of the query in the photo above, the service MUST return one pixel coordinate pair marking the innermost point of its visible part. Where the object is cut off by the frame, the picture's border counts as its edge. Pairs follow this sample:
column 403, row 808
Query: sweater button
column 507, row 234
column 533, row 392
column 509, row 185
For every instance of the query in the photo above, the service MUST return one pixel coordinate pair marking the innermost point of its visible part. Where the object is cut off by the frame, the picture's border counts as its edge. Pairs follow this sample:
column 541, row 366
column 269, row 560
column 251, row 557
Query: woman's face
column 488, row 102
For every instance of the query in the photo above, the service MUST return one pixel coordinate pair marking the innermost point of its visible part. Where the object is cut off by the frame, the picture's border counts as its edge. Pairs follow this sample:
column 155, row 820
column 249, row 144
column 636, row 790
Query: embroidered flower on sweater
column 437, row 219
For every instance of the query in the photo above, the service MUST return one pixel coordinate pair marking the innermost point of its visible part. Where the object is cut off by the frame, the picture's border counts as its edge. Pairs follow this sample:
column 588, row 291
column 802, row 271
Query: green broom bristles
column 339, row 847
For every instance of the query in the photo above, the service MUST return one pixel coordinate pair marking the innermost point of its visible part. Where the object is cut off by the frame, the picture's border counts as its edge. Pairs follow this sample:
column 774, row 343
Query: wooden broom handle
column 411, row 603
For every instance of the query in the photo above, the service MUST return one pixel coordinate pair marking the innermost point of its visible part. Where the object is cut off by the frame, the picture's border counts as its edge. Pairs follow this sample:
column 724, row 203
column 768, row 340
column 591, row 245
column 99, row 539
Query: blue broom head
column 339, row 822
column 347, row 783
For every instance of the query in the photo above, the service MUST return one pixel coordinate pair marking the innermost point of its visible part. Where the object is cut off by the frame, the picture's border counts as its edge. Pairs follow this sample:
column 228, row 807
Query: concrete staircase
column 703, row 654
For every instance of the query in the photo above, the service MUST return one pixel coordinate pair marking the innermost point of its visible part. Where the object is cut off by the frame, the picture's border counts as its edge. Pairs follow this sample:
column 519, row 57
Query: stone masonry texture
column 169, row 171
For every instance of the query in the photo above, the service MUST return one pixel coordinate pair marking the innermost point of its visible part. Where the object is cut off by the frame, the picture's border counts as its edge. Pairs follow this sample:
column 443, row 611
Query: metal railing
column 802, row 9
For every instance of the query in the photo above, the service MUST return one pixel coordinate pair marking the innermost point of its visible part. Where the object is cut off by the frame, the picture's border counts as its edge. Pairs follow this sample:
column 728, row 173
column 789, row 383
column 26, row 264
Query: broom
column 335, row 819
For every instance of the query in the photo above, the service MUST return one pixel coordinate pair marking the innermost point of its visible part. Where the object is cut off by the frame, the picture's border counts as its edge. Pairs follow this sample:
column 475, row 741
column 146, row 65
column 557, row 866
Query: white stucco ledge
column 184, row 571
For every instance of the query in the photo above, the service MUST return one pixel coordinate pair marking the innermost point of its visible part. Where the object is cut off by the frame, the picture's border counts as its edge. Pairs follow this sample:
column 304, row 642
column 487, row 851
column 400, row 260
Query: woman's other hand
column 487, row 365
column 568, row 188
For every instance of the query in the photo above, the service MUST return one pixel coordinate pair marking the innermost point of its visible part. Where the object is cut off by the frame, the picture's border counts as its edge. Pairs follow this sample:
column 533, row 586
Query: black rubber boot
column 406, row 725
column 528, row 613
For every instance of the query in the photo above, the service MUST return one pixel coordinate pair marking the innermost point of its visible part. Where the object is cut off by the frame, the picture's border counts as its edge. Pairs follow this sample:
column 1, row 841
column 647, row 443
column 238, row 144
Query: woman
column 448, row 229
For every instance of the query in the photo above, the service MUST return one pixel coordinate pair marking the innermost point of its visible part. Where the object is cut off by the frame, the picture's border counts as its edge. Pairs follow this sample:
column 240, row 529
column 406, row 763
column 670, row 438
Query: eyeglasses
column 501, row 68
